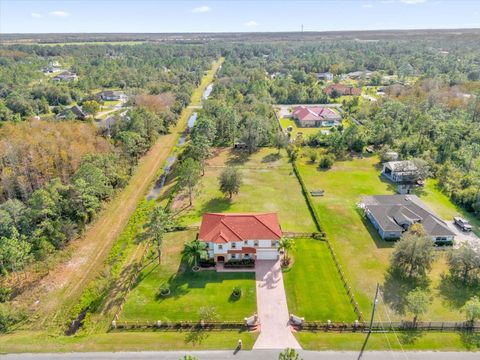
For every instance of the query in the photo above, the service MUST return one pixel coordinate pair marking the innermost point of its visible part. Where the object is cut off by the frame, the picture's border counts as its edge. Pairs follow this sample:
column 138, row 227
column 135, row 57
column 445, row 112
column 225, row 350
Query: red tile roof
column 243, row 250
column 342, row 89
column 313, row 113
column 224, row 228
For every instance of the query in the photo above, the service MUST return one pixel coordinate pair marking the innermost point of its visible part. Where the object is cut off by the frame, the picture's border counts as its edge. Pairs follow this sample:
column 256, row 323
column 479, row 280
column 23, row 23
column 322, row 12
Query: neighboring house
column 241, row 236
column 392, row 215
column 66, row 76
column 342, row 90
column 315, row 116
column 76, row 110
column 327, row 76
column 400, row 171
column 355, row 75
column 109, row 95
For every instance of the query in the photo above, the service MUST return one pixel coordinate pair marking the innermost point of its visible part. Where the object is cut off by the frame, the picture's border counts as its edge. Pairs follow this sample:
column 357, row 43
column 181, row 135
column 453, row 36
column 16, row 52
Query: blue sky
column 18, row 16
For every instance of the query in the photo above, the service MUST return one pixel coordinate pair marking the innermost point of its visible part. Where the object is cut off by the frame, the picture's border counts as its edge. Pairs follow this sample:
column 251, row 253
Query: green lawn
column 364, row 256
column 409, row 341
column 286, row 122
column 313, row 286
column 189, row 290
column 443, row 206
column 269, row 184
column 33, row 342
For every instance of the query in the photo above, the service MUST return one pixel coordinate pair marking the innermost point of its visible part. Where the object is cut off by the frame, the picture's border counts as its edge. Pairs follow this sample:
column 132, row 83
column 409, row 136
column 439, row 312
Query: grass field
column 286, row 122
column 189, row 290
column 313, row 286
column 409, row 341
column 268, row 185
column 40, row 342
column 364, row 256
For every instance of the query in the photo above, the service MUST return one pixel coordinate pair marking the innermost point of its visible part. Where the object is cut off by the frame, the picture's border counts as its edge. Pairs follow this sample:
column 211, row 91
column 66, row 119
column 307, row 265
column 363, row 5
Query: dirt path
column 51, row 299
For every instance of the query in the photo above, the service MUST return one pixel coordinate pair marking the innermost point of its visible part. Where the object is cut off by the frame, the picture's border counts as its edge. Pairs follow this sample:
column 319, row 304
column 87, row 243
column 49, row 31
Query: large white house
column 241, row 236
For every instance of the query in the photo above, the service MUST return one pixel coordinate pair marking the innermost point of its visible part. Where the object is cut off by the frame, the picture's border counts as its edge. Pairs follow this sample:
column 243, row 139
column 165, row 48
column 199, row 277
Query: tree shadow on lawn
column 390, row 185
column 410, row 337
column 396, row 287
column 186, row 279
column 237, row 157
column 218, row 204
column 470, row 339
column 271, row 157
column 455, row 293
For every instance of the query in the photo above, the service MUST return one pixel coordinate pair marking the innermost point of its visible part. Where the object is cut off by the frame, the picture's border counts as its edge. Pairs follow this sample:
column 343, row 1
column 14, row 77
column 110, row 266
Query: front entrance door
column 220, row 258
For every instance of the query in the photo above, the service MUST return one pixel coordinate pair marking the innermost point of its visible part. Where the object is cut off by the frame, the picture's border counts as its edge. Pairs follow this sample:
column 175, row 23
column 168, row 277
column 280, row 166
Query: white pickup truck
column 462, row 224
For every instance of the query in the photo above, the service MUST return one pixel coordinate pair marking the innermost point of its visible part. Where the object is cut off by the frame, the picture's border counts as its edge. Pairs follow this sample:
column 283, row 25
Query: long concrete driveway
column 272, row 308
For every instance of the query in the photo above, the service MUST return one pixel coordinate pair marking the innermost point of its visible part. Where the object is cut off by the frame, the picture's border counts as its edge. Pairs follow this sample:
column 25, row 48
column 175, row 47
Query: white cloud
column 36, row 15
column 251, row 24
column 413, row 2
column 201, row 9
column 59, row 13
column 367, row 6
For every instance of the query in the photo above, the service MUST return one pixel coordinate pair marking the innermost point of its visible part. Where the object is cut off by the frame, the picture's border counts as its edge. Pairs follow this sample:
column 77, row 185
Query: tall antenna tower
column 302, row 28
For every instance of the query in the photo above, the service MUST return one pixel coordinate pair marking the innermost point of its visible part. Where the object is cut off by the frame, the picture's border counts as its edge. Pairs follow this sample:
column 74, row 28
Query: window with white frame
column 234, row 245
column 220, row 247
column 255, row 243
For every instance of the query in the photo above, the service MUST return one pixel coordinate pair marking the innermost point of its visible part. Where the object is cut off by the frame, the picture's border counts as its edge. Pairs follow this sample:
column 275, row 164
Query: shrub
column 4, row 294
column 9, row 317
column 237, row 292
column 312, row 156
column 205, row 263
column 243, row 263
column 326, row 162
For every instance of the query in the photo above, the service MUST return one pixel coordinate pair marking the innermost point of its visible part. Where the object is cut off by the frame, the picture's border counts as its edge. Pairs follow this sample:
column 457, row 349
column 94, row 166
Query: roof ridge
column 270, row 229
column 233, row 231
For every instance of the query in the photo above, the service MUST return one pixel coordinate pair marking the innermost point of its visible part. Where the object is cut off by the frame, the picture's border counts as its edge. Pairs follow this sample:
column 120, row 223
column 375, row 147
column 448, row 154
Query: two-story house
column 241, row 236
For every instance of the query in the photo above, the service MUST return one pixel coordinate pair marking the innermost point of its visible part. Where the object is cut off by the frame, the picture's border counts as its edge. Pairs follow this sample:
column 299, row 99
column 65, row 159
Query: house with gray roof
column 392, row 215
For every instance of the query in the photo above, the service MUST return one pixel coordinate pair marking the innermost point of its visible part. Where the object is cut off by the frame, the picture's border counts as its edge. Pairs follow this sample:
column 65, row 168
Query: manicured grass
column 189, row 290
column 269, row 184
column 286, row 122
column 443, row 206
column 124, row 341
column 363, row 254
column 313, row 286
column 409, row 341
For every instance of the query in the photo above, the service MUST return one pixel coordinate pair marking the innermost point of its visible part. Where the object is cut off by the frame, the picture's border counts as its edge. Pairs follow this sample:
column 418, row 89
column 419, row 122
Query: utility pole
column 374, row 307
column 302, row 28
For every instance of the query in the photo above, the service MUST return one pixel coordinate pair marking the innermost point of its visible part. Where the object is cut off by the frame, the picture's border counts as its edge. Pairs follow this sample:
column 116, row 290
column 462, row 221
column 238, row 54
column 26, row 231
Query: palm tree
column 286, row 245
column 195, row 250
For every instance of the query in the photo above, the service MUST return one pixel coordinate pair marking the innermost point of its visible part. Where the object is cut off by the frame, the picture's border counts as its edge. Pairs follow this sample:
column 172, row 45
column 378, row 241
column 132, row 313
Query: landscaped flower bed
column 244, row 263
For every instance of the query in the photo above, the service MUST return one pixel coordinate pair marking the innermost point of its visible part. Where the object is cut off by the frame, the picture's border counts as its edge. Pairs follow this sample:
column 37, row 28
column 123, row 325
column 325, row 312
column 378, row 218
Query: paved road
column 272, row 308
column 250, row 355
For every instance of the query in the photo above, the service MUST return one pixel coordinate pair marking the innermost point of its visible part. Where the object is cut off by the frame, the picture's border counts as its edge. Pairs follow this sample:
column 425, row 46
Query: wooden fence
column 316, row 219
column 392, row 326
column 177, row 326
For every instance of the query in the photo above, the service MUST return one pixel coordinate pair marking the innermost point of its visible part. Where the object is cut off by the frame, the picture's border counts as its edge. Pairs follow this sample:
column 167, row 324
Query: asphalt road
column 250, row 355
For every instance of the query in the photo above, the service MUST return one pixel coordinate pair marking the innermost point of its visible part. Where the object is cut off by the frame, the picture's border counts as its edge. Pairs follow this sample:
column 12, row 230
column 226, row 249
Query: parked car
column 462, row 223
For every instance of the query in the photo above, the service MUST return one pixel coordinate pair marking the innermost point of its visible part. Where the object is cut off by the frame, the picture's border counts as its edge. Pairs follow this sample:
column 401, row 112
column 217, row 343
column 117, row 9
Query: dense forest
column 55, row 173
